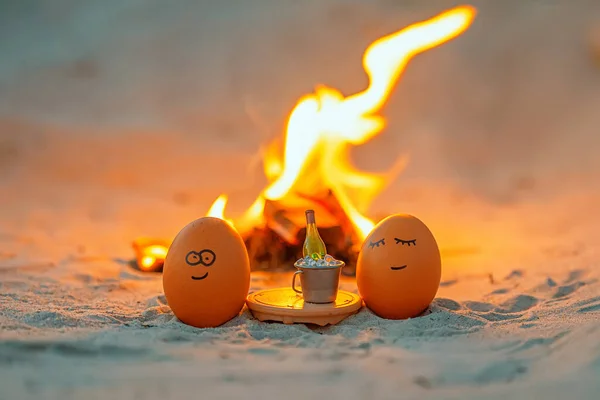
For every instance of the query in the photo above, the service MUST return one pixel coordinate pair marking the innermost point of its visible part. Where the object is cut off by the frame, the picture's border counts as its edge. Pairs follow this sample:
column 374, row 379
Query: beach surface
column 127, row 120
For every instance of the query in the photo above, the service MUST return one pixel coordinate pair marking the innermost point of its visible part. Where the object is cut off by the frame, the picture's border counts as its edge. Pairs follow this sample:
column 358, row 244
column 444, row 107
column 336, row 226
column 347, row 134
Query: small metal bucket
column 319, row 284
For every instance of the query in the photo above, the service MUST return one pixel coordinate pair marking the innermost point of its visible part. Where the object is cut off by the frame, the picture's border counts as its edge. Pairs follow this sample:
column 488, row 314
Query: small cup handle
column 294, row 282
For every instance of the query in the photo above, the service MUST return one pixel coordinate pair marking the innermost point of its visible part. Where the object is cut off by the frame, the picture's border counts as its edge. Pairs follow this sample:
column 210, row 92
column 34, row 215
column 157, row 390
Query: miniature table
column 284, row 305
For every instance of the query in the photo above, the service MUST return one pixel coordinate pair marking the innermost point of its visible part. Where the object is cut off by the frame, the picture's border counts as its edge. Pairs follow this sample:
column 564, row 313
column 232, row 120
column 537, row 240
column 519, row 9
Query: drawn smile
column 199, row 278
column 398, row 268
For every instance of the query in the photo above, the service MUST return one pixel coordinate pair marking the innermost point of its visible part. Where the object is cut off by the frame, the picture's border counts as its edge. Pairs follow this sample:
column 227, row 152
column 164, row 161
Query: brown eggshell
column 399, row 267
column 206, row 275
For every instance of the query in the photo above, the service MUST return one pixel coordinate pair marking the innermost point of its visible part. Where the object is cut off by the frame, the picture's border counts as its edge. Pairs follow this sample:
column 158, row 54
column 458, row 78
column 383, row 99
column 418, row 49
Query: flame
column 323, row 125
column 151, row 255
column 217, row 209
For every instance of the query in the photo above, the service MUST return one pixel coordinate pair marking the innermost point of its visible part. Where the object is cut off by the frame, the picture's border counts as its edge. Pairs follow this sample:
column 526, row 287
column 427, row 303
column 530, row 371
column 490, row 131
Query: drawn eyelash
column 377, row 243
column 407, row 242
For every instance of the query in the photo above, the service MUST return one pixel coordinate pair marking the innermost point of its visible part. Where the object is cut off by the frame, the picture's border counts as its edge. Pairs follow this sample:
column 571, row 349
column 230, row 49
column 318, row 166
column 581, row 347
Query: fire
column 313, row 157
column 218, row 207
column 150, row 253
column 153, row 253
column 323, row 125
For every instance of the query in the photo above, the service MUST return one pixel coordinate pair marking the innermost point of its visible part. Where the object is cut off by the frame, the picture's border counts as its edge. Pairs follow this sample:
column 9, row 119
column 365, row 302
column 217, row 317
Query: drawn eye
column 377, row 243
column 412, row 242
column 208, row 257
column 193, row 258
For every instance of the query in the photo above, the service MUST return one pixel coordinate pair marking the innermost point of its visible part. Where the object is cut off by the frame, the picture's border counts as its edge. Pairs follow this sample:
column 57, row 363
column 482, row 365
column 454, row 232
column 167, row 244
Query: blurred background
column 168, row 103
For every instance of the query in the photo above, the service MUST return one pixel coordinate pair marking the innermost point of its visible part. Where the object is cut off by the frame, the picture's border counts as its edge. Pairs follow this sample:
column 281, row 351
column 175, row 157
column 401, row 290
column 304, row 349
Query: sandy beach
column 124, row 120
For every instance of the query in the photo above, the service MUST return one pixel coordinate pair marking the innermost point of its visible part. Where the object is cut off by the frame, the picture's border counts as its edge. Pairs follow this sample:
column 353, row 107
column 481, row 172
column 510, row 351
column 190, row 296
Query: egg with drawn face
column 399, row 268
column 206, row 274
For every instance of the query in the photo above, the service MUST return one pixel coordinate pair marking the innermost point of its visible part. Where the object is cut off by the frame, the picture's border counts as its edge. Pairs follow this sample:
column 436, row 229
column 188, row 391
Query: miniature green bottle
column 313, row 244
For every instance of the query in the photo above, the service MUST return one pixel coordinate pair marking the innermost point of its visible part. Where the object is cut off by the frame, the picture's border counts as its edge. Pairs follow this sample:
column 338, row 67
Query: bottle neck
column 310, row 218
column 311, row 225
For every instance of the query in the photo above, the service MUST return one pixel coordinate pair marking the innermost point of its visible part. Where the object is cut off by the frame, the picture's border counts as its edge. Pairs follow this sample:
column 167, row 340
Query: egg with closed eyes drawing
column 206, row 275
column 399, row 267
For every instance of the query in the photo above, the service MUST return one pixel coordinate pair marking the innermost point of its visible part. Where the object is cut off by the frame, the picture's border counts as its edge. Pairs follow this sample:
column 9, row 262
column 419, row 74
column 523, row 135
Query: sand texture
column 127, row 119
column 89, row 327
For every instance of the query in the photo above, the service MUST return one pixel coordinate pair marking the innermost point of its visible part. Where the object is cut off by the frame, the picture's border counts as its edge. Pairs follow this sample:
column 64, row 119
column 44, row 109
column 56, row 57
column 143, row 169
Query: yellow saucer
column 284, row 305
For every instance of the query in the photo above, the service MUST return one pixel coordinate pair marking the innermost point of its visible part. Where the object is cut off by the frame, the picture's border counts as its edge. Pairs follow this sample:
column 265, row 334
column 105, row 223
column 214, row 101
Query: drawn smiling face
column 204, row 257
column 381, row 242
column 399, row 267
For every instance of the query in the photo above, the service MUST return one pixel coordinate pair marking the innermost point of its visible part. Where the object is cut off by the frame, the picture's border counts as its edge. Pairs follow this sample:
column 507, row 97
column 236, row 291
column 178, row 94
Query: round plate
column 284, row 305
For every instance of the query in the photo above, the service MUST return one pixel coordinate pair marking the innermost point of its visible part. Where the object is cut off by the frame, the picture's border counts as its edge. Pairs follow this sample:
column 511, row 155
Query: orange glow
column 323, row 125
column 151, row 254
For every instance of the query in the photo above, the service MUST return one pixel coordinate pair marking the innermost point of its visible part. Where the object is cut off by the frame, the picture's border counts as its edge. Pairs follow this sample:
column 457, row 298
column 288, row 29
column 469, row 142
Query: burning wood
column 277, row 221
column 277, row 244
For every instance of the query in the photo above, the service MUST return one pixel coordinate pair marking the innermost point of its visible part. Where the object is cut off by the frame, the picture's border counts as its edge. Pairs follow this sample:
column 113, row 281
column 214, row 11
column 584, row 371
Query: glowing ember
column 153, row 253
column 323, row 125
column 150, row 253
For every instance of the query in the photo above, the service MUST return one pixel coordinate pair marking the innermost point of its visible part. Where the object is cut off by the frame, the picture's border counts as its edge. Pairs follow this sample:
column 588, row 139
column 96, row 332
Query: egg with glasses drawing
column 206, row 275
column 399, row 267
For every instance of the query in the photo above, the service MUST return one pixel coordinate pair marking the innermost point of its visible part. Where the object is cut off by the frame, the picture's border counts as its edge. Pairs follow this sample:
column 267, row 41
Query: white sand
column 502, row 132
